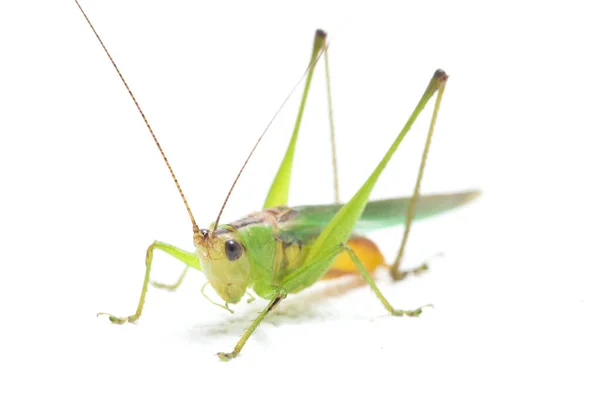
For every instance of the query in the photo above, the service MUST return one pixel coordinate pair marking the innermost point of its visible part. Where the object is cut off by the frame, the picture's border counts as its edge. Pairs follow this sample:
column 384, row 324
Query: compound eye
column 233, row 250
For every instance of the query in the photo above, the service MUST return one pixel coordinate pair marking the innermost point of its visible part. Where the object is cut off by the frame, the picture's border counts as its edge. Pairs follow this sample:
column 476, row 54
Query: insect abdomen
column 366, row 250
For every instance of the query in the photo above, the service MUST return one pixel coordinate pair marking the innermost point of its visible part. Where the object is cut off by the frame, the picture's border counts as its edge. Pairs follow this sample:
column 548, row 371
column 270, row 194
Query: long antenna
column 310, row 65
column 162, row 153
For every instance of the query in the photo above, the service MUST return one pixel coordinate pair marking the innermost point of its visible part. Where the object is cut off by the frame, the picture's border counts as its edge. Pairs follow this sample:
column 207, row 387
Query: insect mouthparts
column 201, row 237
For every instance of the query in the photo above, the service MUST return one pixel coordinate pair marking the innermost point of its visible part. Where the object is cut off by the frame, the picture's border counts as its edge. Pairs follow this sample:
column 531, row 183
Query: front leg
column 188, row 258
column 281, row 294
column 171, row 287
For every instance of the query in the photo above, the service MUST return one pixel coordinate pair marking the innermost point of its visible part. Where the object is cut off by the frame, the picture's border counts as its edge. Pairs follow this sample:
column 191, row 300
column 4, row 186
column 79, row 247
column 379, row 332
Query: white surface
column 84, row 192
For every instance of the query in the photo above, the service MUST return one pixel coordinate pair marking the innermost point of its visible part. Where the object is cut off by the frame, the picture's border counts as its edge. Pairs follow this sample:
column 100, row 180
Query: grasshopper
column 282, row 250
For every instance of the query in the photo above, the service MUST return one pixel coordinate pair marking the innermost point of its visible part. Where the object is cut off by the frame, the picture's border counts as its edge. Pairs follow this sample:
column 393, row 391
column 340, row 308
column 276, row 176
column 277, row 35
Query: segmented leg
column 365, row 274
column 171, row 287
column 336, row 185
column 398, row 275
column 395, row 271
column 279, row 191
column 281, row 294
column 190, row 259
column 308, row 273
column 303, row 277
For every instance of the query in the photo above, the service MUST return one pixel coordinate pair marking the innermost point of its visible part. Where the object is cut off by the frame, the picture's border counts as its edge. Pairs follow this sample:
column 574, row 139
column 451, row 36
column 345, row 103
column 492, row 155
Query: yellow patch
column 366, row 251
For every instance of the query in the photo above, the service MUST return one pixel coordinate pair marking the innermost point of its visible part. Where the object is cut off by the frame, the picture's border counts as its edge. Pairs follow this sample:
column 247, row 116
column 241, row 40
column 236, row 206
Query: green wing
column 379, row 214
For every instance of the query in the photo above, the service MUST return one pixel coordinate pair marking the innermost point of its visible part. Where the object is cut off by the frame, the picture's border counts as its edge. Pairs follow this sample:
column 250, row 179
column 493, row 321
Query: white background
column 84, row 191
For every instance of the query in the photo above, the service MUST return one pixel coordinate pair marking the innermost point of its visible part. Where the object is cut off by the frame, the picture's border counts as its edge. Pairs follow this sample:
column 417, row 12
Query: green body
column 283, row 250
column 279, row 240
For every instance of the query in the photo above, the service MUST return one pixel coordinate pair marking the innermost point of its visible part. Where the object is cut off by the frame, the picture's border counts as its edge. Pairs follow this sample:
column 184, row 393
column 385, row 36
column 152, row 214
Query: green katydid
column 282, row 250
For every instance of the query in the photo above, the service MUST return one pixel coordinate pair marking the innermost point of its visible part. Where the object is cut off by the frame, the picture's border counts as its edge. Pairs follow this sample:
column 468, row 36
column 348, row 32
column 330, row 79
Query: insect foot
column 410, row 313
column 117, row 320
column 227, row 356
column 398, row 275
